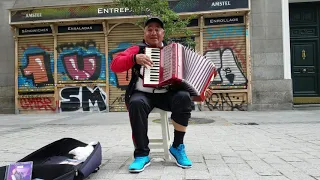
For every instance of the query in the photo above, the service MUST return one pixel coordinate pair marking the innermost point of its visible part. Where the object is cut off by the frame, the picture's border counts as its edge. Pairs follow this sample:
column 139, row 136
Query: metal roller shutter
column 36, row 63
column 120, row 38
column 36, row 74
column 81, row 58
column 180, row 38
column 226, row 46
column 81, row 72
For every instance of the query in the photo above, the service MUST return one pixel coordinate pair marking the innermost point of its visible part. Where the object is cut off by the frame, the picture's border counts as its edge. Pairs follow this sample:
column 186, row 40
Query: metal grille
column 81, row 58
column 119, row 39
column 36, row 64
column 226, row 47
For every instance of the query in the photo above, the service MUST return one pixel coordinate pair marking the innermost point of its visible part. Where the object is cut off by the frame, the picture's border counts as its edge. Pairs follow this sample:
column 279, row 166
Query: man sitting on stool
column 141, row 100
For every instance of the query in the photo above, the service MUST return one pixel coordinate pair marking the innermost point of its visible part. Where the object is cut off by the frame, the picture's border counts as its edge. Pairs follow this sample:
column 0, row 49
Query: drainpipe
column 286, row 39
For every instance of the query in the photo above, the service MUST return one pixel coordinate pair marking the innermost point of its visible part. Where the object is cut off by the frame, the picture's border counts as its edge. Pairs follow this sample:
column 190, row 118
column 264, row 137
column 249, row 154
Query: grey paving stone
column 314, row 153
column 102, row 175
column 212, row 156
column 313, row 172
column 242, row 175
column 284, row 167
column 111, row 166
column 274, row 160
column 303, row 166
column 273, row 178
column 250, row 157
column 233, row 160
column 269, row 172
column 199, row 166
column 117, row 159
column 297, row 175
column 130, row 176
column 228, row 154
column 224, row 178
column 220, row 171
column 291, row 159
column 239, row 167
column 150, row 174
column 273, row 150
column 263, row 155
column 263, row 168
column 305, row 156
column 171, row 177
column 196, row 158
column 123, row 170
column 197, row 174
column 215, row 163
column 313, row 161
column 173, row 170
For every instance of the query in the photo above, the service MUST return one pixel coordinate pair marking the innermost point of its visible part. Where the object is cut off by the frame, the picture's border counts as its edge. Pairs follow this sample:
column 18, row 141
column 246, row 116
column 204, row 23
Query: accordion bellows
column 177, row 64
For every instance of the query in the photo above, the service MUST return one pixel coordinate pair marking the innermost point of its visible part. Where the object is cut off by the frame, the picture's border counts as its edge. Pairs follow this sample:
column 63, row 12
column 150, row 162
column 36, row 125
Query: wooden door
column 305, row 62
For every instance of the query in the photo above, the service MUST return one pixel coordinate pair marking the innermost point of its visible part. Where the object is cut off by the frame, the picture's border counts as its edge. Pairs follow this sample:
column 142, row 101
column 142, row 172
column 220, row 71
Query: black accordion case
column 62, row 160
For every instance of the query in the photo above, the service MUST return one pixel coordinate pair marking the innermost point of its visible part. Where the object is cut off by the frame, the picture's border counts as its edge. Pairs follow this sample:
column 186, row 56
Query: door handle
column 303, row 54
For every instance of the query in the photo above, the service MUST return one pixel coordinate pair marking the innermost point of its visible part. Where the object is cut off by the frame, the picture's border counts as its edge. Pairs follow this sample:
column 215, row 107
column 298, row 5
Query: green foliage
column 174, row 25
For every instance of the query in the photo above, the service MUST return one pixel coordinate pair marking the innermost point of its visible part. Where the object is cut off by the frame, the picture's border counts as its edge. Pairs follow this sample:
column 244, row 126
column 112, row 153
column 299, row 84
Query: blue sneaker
column 180, row 156
column 139, row 164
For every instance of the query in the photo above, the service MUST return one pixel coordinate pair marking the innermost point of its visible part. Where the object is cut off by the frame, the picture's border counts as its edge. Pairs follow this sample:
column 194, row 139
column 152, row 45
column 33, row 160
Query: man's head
column 154, row 32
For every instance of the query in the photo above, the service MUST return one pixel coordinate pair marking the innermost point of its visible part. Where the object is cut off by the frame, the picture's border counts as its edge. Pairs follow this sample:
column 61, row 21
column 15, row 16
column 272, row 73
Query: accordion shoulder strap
column 136, row 67
column 136, row 70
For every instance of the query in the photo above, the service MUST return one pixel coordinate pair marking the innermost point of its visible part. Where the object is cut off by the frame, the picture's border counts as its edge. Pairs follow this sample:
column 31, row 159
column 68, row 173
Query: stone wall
column 6, row 60
column 270, row 89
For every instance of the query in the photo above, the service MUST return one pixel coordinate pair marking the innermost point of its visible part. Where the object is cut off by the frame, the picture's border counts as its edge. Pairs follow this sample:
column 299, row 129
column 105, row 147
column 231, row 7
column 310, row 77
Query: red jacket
column 124, row 60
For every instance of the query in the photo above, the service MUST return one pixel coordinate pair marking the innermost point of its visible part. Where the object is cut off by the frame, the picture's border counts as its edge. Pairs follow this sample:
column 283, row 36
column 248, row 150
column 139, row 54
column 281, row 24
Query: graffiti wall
column 36, row 75
column 81, row 61
column 118, row 82
column 35, row 69
column 226, row 47
column 80, row 70
column 83, row 99
column 224, row 101
column 37, row 103
column 81, row 73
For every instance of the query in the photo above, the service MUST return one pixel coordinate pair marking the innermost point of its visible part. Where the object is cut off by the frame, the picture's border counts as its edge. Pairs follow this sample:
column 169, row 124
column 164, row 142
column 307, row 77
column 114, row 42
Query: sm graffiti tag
column 82, row 98
column 40, row 103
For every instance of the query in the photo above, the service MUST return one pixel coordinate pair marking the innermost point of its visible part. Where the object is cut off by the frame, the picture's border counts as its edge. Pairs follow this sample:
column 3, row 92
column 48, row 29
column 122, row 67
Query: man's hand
column 144, row 60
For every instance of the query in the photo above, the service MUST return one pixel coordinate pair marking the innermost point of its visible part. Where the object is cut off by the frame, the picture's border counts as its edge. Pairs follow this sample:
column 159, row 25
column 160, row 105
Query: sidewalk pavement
column 282, row 144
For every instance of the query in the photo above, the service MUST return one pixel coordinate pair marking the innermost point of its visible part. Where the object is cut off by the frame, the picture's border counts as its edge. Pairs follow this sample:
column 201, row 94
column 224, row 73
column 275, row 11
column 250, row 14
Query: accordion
column 176, row 64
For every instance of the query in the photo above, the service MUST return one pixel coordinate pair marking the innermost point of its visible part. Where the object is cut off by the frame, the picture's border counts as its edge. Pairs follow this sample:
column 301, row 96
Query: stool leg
column 165, row 134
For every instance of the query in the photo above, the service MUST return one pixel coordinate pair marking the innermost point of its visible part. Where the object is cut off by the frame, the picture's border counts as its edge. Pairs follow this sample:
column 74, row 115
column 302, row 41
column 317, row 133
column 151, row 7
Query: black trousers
column 140, row 106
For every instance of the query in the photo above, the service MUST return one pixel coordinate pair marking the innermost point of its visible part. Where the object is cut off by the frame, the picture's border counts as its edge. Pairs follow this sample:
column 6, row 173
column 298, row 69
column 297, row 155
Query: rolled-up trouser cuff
column 181, row 118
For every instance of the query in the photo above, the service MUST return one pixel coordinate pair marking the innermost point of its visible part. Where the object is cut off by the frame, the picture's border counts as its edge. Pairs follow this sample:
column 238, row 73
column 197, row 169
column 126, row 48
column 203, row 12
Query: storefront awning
column 26, row 11
column 23, row 4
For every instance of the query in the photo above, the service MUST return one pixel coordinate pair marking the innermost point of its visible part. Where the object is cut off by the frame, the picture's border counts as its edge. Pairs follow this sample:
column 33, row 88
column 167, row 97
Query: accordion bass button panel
column 151, row 75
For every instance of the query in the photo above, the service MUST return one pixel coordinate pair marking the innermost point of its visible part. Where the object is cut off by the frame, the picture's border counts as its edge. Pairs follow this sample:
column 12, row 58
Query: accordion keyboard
column 151, row 75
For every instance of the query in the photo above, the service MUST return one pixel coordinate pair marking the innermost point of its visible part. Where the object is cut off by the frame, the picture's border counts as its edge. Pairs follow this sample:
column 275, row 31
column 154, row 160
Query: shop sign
column 80, row 28
column 193, row 23
column 37, row 30
column 95, row 11
column 224, row 20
